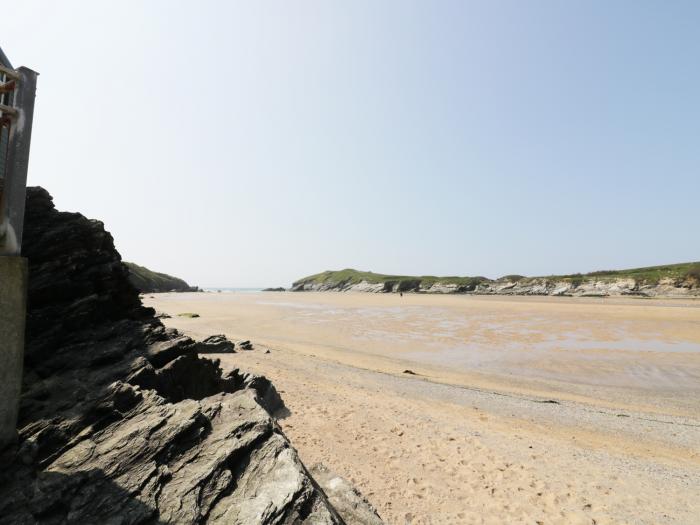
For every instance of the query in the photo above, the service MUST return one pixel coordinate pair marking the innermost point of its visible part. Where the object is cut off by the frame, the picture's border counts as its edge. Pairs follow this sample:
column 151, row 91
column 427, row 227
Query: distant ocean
column 227, row 289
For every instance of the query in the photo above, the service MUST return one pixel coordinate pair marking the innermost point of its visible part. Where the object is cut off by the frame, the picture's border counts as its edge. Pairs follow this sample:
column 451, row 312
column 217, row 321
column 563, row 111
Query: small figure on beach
column 400, row 294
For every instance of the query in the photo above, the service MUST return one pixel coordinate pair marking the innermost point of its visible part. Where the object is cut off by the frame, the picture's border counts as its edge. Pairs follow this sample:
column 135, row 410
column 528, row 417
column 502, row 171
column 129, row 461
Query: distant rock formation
column 148, row 281
column 681, row 280
column 121, row 421
column 278, row 289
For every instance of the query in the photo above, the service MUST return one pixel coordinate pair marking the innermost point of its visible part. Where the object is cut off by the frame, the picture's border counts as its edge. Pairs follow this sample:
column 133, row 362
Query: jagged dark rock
column 121, row 421
column 266, row 393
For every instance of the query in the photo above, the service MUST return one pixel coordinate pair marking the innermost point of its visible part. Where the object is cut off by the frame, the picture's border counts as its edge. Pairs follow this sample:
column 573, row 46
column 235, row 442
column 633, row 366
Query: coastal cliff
column 121, row 420
column 679, row 280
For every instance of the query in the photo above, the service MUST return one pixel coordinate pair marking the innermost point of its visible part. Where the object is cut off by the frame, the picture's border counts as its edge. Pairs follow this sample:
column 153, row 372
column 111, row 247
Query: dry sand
column 522, row 410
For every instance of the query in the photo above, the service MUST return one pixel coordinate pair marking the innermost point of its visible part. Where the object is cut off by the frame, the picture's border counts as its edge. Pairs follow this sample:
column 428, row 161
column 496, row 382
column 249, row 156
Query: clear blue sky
column 251, row 143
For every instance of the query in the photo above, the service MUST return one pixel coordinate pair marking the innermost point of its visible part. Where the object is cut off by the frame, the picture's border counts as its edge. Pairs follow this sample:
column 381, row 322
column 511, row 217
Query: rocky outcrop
column 592, row 287
column 121, row 420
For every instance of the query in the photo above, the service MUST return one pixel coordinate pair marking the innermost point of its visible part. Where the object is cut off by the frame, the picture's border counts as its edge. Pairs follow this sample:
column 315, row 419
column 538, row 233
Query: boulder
column 215, row 344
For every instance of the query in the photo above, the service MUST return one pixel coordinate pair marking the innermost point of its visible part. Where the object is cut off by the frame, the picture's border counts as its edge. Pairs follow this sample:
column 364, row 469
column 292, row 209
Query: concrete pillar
column 13, row 306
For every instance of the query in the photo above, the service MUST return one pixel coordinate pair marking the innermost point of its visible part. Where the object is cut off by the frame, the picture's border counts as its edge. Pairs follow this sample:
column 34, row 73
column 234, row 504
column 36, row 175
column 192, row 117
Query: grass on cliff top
column 650, row 274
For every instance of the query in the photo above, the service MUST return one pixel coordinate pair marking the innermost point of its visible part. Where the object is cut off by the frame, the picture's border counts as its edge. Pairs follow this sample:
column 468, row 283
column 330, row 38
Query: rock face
column 354, row 508
column 121, row 421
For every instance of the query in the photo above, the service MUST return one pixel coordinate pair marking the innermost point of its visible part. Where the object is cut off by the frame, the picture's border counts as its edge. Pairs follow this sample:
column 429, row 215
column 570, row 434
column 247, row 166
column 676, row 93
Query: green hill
column 148, row 281
column 650, row 275
column 350, row 276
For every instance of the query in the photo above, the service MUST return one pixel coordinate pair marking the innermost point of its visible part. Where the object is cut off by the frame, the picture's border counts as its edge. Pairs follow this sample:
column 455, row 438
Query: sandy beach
column 518, row 410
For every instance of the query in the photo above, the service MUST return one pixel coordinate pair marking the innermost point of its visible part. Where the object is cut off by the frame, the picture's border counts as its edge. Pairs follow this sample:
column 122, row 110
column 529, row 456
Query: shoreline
column 453, row 446
column 632, row 296
column 583, row 348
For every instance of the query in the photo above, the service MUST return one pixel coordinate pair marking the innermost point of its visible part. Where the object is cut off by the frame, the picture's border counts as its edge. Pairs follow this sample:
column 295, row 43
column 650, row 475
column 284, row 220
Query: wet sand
column 522, row 409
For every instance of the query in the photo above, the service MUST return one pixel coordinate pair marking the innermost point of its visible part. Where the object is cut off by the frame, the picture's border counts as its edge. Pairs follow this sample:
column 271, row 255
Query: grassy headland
column 351, row 276
column 148, row 281
column 650, row 275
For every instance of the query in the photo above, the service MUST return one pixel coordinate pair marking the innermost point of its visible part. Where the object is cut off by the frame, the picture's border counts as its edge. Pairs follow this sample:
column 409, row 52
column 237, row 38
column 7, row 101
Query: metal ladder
column 17, row 93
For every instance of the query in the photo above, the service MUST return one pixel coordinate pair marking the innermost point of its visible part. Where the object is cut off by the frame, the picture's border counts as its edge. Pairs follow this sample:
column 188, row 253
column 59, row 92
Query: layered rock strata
column 121, row 421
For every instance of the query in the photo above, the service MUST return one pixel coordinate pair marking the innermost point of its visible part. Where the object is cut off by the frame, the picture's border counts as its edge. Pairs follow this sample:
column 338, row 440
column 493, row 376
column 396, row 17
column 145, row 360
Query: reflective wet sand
column 638, row 345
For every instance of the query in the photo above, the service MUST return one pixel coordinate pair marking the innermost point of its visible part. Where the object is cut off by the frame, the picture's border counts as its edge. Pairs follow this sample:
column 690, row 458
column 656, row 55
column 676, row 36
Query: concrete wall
column 13, row 306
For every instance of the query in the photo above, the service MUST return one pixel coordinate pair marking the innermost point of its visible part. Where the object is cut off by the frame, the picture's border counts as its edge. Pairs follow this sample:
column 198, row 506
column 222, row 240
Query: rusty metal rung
column 9, row 73
column 7, row 110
